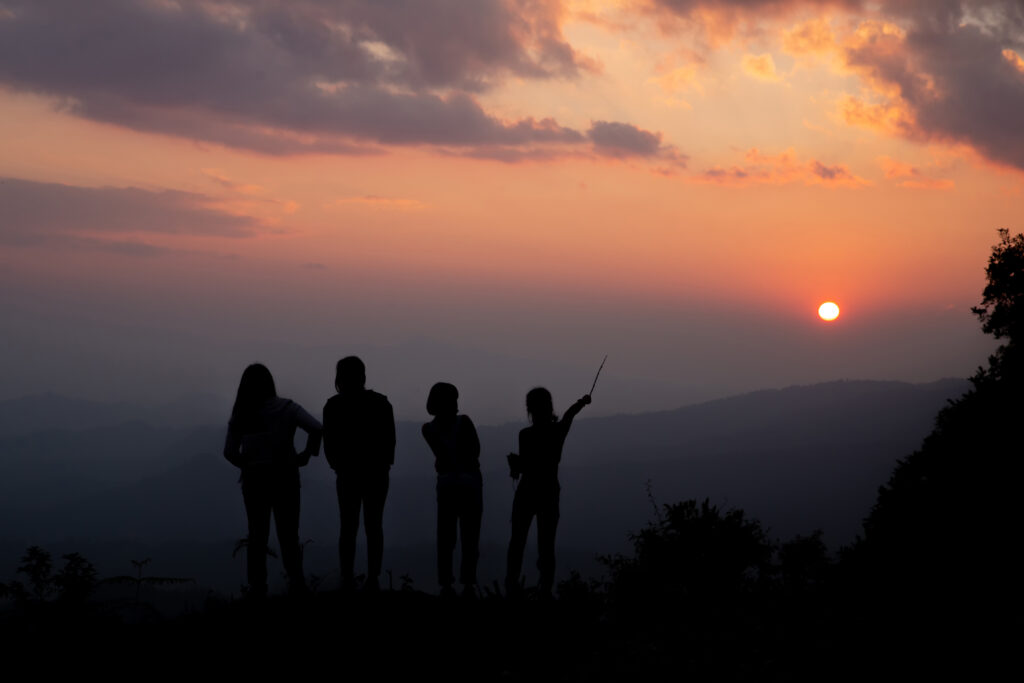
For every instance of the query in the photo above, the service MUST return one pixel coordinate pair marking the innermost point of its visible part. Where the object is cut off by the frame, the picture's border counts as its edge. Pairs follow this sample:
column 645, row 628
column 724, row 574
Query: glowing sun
column 828, row 311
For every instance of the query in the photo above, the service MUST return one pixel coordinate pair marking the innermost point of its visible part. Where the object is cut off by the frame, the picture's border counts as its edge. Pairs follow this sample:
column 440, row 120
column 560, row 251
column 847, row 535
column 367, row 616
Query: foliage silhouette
column 939, row 548
column 76, row 580
column 36, row 564
column 74, row 583
column 804, row 564
column 139, row 580
column 693, row 552
column 1003, row 298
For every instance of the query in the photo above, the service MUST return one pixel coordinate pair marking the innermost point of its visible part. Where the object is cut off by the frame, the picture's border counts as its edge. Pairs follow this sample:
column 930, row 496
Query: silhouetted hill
column 798, row 459
column 48, row 412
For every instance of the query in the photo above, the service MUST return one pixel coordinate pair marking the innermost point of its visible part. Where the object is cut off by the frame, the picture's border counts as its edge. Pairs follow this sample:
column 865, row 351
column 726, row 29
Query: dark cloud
column 469, row 45
column 725, row 174
column 290, row 77
column 624, row 140
column 830, row 172
column 49, row 213
column 952, row 75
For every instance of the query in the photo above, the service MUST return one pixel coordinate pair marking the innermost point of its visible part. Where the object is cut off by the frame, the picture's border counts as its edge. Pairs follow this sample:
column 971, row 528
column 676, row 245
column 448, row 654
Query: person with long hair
column 537, row 495
column 453, row 440
column 260, row 442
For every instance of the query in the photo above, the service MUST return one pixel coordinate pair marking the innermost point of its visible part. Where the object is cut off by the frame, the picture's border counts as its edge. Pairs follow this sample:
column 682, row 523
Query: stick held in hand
column 591, row 392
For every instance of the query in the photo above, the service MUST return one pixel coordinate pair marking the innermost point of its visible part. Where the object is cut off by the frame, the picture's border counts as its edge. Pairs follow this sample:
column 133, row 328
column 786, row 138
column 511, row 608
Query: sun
column 828, row 311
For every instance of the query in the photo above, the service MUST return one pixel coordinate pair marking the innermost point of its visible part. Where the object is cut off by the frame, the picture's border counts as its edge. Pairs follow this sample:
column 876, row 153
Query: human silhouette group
column 358, row 436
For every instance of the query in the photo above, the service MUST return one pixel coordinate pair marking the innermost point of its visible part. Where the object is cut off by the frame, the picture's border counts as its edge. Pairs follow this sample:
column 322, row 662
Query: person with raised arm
column 537, row 495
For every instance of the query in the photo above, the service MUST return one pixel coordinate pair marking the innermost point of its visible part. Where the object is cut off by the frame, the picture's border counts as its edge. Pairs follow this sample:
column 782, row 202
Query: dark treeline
column 930, row 586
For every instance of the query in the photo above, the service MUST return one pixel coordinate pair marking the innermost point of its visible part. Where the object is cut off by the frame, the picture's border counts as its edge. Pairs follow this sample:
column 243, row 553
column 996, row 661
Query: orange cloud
column 911, row 176
column 675, row 79
column 811, row 37
column 761, row 67
column 719, row 22
column 892, row 117
column 782, row 169
column 1014, row 59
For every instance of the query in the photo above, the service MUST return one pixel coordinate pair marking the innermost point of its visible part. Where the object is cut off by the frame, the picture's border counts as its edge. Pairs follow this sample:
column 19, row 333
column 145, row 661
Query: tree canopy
column 947, row 523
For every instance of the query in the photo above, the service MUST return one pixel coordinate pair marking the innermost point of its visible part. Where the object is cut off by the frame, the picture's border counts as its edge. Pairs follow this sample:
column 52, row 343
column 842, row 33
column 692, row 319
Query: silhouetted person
column 452, row 438
column 359, row 442
column 260, row 442
column 536, row 466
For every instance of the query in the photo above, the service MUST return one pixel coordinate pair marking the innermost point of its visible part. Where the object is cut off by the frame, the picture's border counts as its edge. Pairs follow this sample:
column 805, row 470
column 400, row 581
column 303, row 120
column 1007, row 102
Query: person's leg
column 375, row 495
column 547, row 524
column 257, row 511
column 286, row 519
column 447, row 518
column 522, row 515
column 349, row 502
column 471, row 511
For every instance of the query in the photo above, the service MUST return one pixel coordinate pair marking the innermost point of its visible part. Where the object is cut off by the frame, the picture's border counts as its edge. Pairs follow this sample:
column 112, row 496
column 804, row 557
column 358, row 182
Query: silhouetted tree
column 37, row 566
column 945, row 529
column 76, row 580
column 1003, row 299
column 804, row 564
column 74, row 583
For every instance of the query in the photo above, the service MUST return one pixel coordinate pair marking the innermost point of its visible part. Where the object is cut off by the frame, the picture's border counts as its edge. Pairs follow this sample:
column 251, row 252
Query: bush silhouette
column 74, row 583
column 692, row 552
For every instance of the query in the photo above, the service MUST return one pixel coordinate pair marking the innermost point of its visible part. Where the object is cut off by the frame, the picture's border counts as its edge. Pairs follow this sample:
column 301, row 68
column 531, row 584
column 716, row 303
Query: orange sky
column 680, row 171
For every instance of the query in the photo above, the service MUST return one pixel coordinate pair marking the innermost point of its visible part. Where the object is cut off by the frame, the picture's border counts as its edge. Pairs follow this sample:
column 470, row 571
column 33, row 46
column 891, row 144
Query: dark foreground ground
column 580, row 636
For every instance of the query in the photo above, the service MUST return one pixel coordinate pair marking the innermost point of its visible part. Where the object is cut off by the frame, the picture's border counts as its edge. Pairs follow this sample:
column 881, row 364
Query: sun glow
column 828, row 311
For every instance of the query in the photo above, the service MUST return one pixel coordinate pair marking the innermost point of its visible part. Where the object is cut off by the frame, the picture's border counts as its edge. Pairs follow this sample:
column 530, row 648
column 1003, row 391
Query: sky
column 499, row 193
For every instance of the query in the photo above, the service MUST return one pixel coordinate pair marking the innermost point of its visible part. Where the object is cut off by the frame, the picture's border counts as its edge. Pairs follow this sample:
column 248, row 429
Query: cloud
column 623, row 140
column 948, row 71
column 225, row 182
column 910, row 176
column 101, row 218
column 944, row 75
column 782, row 169
column 1015, row 59
column 275, row 77
column 761, row 67
column 814, row 36
column 720, row 21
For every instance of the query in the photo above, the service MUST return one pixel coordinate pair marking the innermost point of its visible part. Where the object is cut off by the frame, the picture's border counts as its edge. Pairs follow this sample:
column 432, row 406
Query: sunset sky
column 498, row 193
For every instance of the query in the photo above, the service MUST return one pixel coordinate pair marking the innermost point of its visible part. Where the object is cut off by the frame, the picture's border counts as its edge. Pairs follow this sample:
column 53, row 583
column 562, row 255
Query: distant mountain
column 798, row 459
column 50, row 412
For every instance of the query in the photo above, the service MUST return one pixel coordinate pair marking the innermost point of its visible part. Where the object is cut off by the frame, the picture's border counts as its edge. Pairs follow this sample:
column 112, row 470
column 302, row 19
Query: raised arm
column 574, row 410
